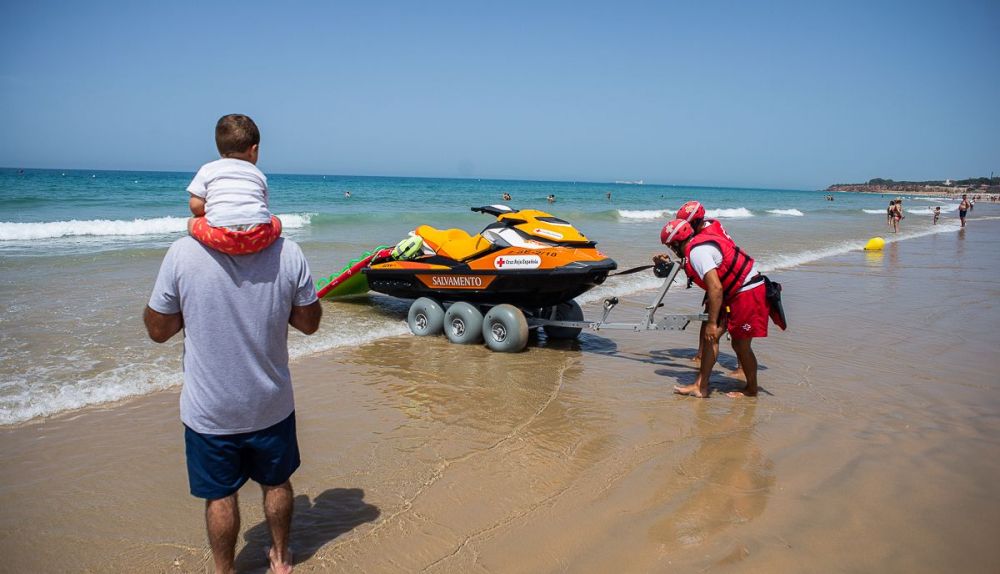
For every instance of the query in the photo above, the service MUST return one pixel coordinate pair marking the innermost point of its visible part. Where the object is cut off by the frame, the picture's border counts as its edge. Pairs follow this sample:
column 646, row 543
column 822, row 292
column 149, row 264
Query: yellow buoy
column 875, row 244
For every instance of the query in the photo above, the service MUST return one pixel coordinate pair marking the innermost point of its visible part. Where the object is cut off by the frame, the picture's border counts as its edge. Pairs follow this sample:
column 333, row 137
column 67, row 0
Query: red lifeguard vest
column 714, row 226
column 735, row 266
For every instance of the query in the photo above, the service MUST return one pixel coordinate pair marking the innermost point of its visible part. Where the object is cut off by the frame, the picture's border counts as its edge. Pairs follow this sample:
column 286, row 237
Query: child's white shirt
column 234, row 190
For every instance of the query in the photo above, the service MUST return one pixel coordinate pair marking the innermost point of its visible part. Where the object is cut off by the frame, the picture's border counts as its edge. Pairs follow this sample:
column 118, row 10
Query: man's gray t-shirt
column 236, row 311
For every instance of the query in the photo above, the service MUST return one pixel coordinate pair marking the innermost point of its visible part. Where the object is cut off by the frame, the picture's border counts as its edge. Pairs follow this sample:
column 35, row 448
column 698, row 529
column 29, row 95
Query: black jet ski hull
column 523, row 288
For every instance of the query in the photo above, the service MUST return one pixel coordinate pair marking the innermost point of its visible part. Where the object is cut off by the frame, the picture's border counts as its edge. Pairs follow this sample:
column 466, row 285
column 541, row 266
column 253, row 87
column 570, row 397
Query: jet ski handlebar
column 493, row 210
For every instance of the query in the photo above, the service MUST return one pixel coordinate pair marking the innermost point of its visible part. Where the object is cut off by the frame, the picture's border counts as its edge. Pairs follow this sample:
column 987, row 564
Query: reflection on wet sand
column 726, row 481
column 474, row 388
column 492, row 453
column 483, row 438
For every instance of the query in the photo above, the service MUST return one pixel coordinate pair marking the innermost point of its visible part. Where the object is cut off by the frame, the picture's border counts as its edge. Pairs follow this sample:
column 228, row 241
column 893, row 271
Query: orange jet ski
column 527, row 258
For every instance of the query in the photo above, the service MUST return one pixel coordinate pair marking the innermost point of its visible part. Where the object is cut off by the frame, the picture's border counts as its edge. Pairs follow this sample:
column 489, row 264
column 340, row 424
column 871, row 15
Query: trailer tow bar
column 648, row 323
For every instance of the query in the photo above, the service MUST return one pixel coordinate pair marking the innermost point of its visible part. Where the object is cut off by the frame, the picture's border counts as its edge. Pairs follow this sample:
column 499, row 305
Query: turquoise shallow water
column 79, row 251
column 83, row 211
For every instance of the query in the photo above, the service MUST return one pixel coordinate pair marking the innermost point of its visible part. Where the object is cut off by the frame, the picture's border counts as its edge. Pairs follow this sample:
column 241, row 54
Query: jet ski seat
column 455, row 244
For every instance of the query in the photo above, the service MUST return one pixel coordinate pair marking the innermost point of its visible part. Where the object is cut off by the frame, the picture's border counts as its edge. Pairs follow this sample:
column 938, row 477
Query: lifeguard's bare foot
column 280, row 564
column 739, row 394
column 691, row 391
column 738, row 374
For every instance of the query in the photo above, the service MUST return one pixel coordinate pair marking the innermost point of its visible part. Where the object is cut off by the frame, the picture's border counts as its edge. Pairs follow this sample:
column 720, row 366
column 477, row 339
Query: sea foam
column 725, row 213
column 733, row 213
column 794, row 212
column 23, row 399
column 619, row 286
column 787, row 261
column 929, row 210
column 629, row 285
column 644, row 215
column 14, row 231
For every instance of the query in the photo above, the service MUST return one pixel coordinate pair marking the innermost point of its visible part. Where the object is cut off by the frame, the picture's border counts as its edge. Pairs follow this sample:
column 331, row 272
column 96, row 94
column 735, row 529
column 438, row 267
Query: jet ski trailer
column 505, row 327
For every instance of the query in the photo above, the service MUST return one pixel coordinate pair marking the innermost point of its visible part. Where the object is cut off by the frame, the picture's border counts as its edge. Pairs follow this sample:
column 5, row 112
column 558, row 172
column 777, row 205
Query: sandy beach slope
column 874, row 446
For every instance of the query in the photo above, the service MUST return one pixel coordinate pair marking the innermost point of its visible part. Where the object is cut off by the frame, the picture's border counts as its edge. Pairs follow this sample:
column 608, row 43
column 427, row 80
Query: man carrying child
column 236, row 404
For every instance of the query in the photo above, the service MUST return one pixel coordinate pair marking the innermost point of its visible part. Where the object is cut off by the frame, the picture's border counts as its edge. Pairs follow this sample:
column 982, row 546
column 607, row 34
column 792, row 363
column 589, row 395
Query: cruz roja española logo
column 517, row 262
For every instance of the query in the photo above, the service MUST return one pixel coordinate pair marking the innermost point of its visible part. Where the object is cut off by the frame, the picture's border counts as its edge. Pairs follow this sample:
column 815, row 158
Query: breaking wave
column 734, row 213
column 644, row 215
column 726, row 213
column 11, row 231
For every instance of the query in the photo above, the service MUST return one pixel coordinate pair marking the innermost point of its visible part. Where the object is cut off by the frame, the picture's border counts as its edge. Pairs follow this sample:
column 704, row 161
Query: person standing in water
column 694, row 213
column 897, row 215
column 963, row 209
column 731, row 280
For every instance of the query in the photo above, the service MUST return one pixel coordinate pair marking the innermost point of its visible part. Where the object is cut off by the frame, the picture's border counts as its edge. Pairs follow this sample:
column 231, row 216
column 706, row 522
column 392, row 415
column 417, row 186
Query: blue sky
column 770, row 94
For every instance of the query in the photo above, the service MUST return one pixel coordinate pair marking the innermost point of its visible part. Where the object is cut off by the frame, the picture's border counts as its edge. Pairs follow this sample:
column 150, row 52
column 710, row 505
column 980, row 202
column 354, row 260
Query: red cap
column 690, row 211
column 676, row 231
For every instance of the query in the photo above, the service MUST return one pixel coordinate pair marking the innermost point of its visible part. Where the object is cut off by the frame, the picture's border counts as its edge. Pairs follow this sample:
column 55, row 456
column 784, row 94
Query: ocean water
column 79, row 251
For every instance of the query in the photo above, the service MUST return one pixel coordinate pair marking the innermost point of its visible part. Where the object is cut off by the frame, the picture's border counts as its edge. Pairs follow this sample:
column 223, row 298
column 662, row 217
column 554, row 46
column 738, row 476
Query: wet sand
column 874, row 446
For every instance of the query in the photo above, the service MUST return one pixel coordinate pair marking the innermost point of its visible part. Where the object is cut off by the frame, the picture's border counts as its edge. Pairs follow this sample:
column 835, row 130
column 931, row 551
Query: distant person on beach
column 506, row 196
column 890, row 213
column 228, row 197
column 963, row 209
column 347, row 195
column 937, row 214
column 608, row 195
column 897, row 215
column 551, row 198
column 237, row 404
column 736, row 293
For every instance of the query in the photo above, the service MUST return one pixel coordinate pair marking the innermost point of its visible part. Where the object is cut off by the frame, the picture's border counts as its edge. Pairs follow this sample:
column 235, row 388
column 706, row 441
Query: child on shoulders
column 228, row 197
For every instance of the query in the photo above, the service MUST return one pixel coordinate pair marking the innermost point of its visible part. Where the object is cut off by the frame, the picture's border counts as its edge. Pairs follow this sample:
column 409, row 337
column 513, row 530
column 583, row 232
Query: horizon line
column 454, row 178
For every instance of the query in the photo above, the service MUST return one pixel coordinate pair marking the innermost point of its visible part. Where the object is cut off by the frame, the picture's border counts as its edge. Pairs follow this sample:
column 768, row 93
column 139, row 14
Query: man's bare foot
column 738, row 374
column 277, row 566
column 691, row 391
column 738, row 394
column 696, row 359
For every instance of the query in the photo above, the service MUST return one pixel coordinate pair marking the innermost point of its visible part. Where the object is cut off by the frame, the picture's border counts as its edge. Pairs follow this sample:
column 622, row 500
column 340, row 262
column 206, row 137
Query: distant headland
column 879, row 185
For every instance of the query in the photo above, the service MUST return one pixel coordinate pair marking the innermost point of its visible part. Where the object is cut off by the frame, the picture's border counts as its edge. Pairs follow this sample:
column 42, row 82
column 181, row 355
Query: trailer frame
column 673, row 322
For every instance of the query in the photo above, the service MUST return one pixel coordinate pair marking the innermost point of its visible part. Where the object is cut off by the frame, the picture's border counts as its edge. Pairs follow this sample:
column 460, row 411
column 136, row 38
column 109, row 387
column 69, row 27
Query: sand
column 874, row 446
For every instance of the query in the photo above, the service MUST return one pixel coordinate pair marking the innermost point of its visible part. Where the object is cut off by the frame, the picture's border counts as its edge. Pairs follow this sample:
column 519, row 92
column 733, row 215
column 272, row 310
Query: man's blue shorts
column 218, row 465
